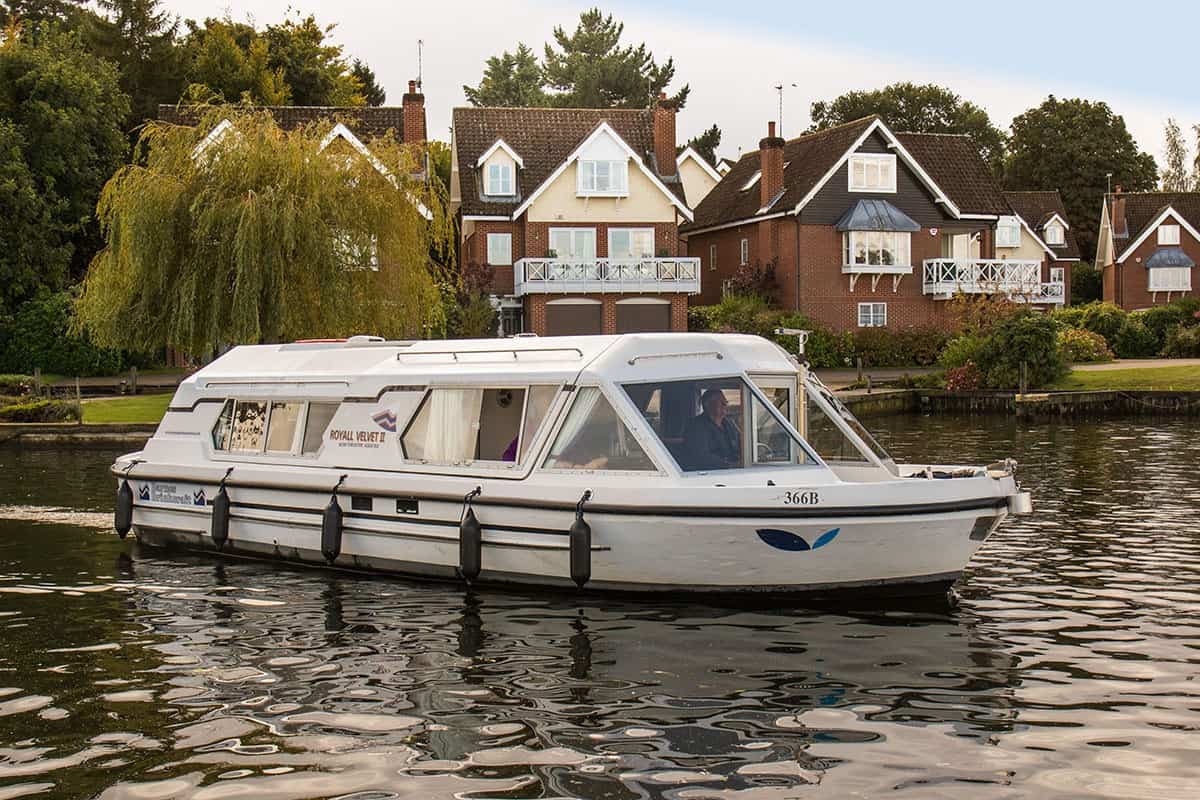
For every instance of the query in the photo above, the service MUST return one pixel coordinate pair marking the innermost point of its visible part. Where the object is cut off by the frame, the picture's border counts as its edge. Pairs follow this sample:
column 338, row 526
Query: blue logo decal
column 386, row 419
column 144, row 492
column 786, row 540
column 198, row 497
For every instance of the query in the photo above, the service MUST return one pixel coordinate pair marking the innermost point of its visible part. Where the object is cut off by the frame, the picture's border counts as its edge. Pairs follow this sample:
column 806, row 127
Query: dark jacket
column 707, row 446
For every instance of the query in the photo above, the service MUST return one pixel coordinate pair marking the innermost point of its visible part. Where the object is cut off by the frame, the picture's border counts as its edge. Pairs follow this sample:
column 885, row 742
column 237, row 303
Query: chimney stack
column 1120, row 227
column 413, row 107
column 664, row 135
column 770, row 156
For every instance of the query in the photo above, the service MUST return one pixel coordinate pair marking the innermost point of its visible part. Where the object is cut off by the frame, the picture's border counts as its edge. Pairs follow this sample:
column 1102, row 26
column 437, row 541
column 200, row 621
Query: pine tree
column 510, row 80
column 370, row 89
column 139, row 37
column 1175, row 175
column 705, row 144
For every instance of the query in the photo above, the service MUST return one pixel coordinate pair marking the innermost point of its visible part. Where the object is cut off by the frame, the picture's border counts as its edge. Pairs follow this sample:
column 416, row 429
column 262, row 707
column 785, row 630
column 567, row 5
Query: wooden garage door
column 573, row 318
column 643, row 316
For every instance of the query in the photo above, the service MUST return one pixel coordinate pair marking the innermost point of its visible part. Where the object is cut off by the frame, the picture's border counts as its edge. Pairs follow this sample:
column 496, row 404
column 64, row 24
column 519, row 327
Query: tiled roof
column 365, row 122
column 808, row 158
column 953, row 162
column 544, row 138
column 1036, row 208
column 950, row 160
column 1142, row 208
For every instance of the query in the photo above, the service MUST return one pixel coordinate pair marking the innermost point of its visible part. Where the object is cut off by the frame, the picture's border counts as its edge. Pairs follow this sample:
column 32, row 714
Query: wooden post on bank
column 78, row 400
column 133, row 380
column 37, row 381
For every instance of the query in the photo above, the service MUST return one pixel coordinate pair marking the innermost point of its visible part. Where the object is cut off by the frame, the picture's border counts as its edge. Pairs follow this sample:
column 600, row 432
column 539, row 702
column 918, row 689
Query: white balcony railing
column 604, row 275
column 1019, row 279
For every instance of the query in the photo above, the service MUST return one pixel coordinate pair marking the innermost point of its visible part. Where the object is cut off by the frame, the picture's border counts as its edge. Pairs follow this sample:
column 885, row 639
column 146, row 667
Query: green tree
column 1175, row 175
column 263, row 237
column 313, row 68
column 1072, row 146
column 510, row 79
column 36, row 12
column 589, row 69
column 705, row 144
column 1196, row 161
column 139, row 37
column 370, row 89
column 33, row 253
column 926, row 108
column 230, row 61
column 61, row 108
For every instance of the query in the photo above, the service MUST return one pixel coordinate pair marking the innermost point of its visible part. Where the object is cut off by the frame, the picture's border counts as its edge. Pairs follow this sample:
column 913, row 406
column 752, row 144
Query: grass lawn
column 1148, row 379
column 139, row 408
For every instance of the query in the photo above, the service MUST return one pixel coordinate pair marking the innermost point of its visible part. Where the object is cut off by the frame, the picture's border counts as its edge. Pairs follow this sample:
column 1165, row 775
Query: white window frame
column 494, row 241
column 1008, row 232
column 1168, row 235
column 500, row 181
column 753, row 180
column 712, row 257
column 1058, row 275
column 899, row 243
column 875, row 316
column 1055, row 233
column 588, row 174
column 745, row 252
column 574, row 232
column 871, row 162
column 631, row 232
column 1169, row 279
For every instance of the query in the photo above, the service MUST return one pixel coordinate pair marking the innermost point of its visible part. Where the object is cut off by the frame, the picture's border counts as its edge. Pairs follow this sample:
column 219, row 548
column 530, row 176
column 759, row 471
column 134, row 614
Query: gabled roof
column 876, row 215
column 365, row 122
column 948, row 165
column 689, row 153
column 545, row 138
column 500, row 145
column 1036, row 209
column 1143, row 209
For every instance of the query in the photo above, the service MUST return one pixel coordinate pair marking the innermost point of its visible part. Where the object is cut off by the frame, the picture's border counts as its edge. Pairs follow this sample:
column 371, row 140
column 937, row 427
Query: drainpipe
column 797, row 262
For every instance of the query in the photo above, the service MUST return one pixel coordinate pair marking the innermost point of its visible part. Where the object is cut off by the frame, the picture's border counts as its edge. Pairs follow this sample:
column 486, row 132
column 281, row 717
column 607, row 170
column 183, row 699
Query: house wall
column 1127, row 284
column 728, row 242
column 535, row 310
column 1029, row 249
column 696, row 182
column 537, row 235
column 474, row 249
column 558, row 203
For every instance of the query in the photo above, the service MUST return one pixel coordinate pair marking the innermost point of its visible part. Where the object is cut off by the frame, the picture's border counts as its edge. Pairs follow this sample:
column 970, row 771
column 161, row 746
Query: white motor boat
column 676, row 463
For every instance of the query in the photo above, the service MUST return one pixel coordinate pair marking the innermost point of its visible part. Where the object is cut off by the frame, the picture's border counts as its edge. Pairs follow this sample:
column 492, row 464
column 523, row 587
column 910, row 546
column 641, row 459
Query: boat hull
column 705, row 550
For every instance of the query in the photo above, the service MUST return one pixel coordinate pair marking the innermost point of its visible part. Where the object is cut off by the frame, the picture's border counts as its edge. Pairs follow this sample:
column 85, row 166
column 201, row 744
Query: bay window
column 603, row 178
column 876, row 248
column 1170, row 279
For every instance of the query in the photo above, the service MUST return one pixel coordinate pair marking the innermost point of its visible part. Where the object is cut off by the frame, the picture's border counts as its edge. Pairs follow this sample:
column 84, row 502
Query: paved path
column 1139, row 363
column 839, row 378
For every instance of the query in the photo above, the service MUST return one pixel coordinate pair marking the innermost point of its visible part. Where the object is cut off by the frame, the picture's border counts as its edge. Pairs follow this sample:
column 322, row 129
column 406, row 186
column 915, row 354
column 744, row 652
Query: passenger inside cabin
column 712, row 440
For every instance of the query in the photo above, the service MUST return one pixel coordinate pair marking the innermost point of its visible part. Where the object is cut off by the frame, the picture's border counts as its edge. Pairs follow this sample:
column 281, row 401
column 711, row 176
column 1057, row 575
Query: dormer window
column 753, row 180
column 1168, row 234
column 1008, row 232
column 603, row 177
column 872, row 172
column 1054, row 234
column 500, row 180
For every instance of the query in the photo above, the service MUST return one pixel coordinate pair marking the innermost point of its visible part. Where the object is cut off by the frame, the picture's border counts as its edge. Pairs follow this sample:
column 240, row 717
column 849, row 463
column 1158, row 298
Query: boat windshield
column 836, row 434
column 717, row 423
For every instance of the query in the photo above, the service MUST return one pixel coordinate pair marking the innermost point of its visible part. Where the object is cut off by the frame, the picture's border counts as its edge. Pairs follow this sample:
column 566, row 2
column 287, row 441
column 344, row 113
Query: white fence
column 1019, row 279
column 603, row 275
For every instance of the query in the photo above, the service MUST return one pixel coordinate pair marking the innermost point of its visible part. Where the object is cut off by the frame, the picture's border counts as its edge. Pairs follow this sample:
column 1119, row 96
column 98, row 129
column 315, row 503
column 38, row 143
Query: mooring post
column 1024, row 376
column 37, row 381
column 78, row 400
column 133, row 380
column 858, row 361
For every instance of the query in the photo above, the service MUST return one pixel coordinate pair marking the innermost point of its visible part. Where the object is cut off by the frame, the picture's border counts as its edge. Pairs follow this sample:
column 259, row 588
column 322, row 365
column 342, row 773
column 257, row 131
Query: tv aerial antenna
column 779, row 88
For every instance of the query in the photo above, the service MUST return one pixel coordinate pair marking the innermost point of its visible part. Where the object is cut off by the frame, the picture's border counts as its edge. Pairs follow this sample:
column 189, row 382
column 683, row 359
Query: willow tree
column 256, row 234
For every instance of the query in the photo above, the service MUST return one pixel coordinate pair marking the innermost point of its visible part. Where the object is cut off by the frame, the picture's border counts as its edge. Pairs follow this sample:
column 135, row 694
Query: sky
column 1006, row 57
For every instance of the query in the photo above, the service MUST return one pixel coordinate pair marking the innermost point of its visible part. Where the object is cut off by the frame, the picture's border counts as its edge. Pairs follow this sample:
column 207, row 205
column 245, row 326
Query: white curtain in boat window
column 447, row 428
column 630, row 243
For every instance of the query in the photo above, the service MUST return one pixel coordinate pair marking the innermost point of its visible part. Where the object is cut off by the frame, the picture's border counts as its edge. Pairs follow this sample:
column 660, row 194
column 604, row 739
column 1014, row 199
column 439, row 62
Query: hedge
column 41, row 410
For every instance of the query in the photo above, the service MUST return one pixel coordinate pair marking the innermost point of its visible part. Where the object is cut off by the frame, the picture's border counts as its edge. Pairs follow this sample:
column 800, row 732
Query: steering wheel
column 763, row 452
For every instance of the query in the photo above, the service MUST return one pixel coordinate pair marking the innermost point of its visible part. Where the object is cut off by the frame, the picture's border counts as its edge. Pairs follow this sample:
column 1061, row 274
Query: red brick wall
column 728, row 242
column 825, row 292
column 1131, row 282
column 664, row 136
column 535, row 309
column 474, row 250
column 536, row 242
column 413, row 105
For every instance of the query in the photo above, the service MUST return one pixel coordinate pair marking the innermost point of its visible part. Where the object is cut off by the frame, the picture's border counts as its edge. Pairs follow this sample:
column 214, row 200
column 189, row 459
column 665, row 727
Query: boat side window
column 537, row 405
column 249, row 427
column 281, row 428
column 319, row 417
column 593, row 437
column 468, row 425
column 223, row 427
column 830, row 439
column 702, row 423
column 500, row 418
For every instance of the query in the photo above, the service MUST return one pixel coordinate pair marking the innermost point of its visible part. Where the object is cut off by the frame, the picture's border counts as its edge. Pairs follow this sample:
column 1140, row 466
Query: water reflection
column 1069, row 669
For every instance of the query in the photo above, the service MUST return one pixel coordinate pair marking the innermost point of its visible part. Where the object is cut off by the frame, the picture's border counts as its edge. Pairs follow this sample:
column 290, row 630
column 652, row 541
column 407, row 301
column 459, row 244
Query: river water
column 1069, row 669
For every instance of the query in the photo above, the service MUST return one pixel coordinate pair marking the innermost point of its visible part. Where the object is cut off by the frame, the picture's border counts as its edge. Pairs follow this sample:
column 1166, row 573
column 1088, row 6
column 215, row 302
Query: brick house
column 1038, row 225
column 577, row 213
column 1148, row 247
column 867, row 228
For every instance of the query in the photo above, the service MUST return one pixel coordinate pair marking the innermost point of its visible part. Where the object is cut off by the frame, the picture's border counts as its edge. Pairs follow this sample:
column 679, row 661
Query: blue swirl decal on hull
column 786, row 540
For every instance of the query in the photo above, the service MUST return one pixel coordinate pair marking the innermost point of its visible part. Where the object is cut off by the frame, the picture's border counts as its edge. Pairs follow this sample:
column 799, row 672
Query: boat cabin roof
column 364, row 367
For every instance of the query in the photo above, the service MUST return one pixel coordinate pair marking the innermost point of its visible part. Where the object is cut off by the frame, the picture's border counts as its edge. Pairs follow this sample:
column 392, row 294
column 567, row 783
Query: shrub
column 1080, row 347
column 1136, row 340
column 960, row 351
column 16, row 384
column 41, row 410
column 37, row 335
column 825, row 349
column 1105, row 319
column 744, row 313
column 1069, row 317
column 966, row 378
column 980, row 313
column 1159, row 320
column 701, row 319
column 1087, row 283
column 1183, row 342
column 1025, row 338
column 754, row 279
